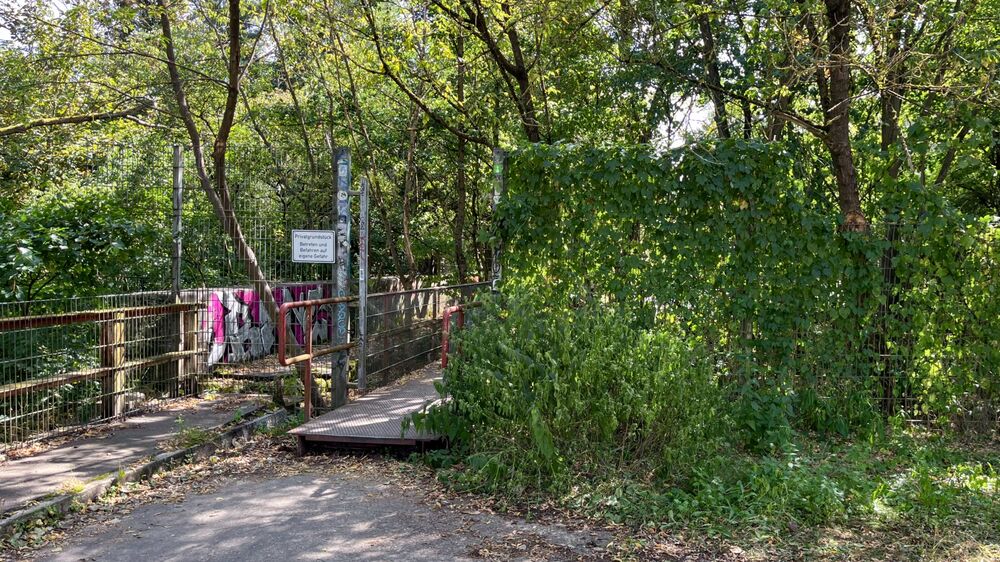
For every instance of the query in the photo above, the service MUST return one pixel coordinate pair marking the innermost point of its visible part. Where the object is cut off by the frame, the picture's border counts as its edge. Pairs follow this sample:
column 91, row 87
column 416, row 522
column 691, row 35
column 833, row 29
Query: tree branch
column 74, row 119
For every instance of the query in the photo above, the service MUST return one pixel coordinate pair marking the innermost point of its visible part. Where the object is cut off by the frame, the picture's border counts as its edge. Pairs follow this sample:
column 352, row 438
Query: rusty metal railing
column 308, row 354
column 404, row 328
column 32, row 405
column 459, row 312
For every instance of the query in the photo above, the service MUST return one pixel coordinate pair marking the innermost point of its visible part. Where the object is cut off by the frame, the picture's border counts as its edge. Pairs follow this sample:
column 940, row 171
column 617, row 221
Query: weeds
column 291, row 422
column 586, row 407
column 189, row 436
column 71, row 486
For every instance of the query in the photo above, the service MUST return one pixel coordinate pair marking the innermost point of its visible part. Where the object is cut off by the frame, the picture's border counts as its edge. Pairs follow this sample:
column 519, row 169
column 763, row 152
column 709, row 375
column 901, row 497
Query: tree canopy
column 882, row 96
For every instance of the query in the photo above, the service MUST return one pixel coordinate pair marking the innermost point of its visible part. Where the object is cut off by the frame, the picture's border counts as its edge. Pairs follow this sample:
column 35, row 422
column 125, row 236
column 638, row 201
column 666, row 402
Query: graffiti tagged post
column 342, row 224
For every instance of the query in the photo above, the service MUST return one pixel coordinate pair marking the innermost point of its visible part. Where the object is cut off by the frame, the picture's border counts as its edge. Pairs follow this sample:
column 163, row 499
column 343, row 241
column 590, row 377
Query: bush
column 736, row 244
column 542, row 395
column 589, row 406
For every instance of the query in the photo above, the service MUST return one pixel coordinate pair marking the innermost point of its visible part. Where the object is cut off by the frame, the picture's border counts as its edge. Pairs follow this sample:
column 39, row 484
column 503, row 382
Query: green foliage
column 541, row 395
column 735, row 243
column 186, row 436
column 73, row 242
column 690, row 340
column 916, row 480
column 585, row 404
column 291, row 422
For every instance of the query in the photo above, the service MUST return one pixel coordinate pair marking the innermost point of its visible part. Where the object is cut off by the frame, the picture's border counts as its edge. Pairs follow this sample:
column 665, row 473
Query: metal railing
column 308, row 353
column 63, row 370
column 404, row 328
column 46, row 389
column 458, row 311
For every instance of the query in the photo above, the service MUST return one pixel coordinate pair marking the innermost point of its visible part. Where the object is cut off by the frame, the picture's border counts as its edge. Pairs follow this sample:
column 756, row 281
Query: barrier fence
column 404, row 328
column 137, row 236
column 117, row 355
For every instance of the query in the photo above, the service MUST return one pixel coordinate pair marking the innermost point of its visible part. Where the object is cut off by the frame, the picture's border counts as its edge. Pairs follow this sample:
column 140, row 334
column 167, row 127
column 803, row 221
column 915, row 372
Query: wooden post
column 113, row 356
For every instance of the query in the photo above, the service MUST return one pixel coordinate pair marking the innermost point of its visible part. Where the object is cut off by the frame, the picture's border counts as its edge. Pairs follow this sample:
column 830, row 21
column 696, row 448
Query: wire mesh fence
column 106, row 314
column 82, row 367
column 404, row 328
column 129, row 291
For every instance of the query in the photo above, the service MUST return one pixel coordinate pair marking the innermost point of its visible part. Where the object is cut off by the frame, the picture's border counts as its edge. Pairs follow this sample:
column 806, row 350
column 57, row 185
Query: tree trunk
column 458, row 231
column 218, row 194
column 526, row 102
column 714, row 78
column 514, row 67
column 376, row 184
column 837, row 110
column 299, row 114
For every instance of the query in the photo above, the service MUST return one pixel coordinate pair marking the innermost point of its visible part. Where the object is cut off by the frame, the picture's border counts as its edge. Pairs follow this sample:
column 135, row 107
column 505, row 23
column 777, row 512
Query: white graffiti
column 240, row 329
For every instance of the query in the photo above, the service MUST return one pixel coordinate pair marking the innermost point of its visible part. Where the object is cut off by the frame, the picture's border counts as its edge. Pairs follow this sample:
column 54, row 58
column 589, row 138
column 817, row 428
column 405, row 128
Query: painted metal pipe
column 309, row 354
column 458, row 310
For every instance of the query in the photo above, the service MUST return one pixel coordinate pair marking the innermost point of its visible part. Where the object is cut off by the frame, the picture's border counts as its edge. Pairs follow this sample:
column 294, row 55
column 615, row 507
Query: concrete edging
column 62, row 504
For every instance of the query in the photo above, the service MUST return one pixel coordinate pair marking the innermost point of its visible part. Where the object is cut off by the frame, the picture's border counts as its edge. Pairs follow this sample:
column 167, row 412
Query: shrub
column 541, row 395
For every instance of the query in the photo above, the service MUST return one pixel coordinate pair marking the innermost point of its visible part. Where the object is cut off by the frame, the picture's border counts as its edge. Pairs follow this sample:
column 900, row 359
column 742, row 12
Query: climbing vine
column 738, row 243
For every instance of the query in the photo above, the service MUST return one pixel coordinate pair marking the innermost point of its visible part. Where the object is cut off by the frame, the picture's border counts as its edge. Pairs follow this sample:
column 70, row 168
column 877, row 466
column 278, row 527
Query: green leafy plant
column 189, row 436
column 524, row 394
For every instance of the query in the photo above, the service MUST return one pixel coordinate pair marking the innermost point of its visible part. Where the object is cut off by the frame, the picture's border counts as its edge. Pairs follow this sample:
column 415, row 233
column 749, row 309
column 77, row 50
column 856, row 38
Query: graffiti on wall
column 240, row 329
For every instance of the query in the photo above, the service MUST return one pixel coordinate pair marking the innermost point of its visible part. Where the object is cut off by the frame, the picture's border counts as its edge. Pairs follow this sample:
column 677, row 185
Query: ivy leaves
column 732, row 242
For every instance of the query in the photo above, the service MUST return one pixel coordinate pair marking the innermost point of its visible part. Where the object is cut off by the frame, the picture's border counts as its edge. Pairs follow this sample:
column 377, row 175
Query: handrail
column 113, row 362
column 20, row 388
column 309, row 355
column 67, row 318
column 446, row 326
column 430, row 289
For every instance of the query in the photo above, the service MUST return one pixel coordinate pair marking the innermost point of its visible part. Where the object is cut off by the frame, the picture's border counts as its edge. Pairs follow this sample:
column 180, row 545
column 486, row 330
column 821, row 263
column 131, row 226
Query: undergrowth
column 589, row 405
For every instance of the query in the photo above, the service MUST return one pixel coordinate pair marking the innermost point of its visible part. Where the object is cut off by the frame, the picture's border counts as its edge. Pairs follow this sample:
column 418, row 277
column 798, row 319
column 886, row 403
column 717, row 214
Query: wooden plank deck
column 376, row 418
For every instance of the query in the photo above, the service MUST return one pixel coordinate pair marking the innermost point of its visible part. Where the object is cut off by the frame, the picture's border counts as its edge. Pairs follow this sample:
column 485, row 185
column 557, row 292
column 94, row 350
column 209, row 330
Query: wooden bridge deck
column 376, row 418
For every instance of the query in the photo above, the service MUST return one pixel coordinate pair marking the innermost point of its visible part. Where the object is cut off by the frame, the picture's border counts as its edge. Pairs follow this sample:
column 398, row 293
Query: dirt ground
column 260, row 502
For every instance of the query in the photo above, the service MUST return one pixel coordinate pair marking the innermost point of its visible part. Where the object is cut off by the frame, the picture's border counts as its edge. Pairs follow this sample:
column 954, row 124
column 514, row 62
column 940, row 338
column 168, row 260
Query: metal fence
column 406, row 333
column 404, row 328
column 129, row 292
column 82, row 367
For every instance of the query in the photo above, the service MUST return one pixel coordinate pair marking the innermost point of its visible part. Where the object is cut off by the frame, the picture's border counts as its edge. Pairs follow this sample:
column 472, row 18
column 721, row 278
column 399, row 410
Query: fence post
column 363, row 287
column 176, row 388
column 178, row 201
column 113, row 357
column 187, row 380
column 342, row 222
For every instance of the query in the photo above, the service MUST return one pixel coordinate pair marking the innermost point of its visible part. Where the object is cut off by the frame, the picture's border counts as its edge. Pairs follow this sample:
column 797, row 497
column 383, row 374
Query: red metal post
column 309, row 355
column 446, row 330
column 307, row 371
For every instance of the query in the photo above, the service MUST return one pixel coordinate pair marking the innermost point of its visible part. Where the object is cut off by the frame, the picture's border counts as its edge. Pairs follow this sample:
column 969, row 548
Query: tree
column 213, row 181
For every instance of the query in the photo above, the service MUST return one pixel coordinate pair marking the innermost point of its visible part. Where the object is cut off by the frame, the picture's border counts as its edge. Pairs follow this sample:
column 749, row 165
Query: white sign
column 314, row 246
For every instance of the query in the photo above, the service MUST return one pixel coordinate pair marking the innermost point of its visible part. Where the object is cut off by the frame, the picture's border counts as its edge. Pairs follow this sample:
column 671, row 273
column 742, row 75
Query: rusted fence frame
column 309, row 354
column 459, row 312
column 392, row 315
column 114, row 363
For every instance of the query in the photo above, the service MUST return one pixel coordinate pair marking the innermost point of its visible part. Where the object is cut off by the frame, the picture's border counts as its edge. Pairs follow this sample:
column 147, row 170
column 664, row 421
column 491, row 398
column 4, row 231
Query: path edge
column 62, row 504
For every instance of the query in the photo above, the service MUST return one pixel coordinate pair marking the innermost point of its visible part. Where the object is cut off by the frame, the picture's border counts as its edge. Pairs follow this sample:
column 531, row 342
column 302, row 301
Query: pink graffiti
column 241, row 329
